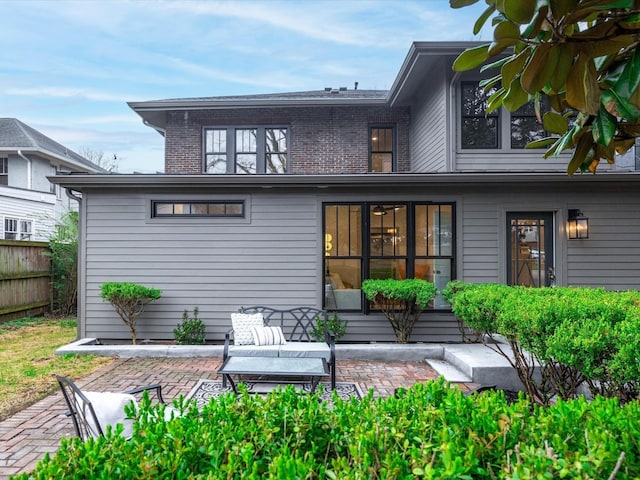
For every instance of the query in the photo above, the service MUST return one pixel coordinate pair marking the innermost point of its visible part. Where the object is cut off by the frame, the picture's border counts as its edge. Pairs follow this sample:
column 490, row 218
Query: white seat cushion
column 109, row 408
column 305, row 350
column 242, row 323
column 253, row 350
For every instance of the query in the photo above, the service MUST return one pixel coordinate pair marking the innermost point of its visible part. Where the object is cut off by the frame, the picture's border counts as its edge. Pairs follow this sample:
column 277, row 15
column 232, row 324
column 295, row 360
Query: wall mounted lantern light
column 577, row 225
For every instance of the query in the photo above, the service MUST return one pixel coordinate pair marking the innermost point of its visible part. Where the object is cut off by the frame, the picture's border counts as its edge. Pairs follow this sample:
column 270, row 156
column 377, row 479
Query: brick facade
column 323, row 140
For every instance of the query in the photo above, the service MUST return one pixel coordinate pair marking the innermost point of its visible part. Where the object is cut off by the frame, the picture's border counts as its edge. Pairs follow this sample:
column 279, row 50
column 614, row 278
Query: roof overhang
column 81, row 182
column 54, row 158
column 418, row 64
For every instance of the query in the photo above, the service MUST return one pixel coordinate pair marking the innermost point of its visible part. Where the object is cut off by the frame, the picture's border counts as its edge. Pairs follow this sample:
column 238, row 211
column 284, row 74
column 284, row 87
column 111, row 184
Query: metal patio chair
column 89, row 419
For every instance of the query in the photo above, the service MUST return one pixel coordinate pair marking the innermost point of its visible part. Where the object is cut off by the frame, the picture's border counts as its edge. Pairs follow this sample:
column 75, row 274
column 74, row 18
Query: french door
column 530, row 261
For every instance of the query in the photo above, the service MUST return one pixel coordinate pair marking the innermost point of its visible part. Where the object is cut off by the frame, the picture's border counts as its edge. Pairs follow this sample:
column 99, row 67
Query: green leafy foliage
column 428, row 431
column 581, row 54
column 570, row 334
column 129, row 300
column 401, row 301
column 191, row 331
column 332, row 324
column 63, row 255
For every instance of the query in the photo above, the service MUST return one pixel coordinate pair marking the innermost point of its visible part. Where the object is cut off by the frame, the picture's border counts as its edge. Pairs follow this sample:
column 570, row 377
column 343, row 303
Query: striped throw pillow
column 268, row 336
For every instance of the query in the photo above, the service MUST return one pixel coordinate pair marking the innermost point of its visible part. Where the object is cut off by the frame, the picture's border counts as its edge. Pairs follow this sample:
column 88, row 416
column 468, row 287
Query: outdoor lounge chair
column 91, row 412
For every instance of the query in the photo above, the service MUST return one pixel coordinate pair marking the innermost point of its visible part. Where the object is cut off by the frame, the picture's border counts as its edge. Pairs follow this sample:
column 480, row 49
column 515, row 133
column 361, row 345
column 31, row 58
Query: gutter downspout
column 453, row 142
column 29, row 168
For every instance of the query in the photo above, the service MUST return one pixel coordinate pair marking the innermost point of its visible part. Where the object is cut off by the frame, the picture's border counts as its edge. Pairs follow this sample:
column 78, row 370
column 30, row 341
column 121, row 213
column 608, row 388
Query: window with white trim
column 246, row 150
column 18, row 228
column 4, row 171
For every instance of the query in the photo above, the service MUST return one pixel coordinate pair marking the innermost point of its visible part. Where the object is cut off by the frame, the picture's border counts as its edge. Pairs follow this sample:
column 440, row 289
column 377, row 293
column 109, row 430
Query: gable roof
column 17, row 136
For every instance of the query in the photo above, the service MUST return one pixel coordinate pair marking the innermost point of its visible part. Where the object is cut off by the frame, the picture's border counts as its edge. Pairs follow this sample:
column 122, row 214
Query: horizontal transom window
column 198, row 209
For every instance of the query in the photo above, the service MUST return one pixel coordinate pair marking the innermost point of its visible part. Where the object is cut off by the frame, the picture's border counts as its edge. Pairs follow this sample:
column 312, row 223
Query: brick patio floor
column 28, row 435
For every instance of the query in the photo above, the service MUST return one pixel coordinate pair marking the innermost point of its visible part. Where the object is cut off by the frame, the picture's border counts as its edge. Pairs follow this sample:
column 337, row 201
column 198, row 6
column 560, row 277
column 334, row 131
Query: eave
column 82, row 182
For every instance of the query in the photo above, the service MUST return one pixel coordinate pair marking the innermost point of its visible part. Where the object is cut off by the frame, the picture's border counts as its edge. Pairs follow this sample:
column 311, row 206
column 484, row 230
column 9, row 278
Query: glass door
column 530, row 249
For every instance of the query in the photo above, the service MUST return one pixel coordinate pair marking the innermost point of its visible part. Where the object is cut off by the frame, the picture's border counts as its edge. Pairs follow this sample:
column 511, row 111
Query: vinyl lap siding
column 217, row 267
column 480, row 240
column 428, row 127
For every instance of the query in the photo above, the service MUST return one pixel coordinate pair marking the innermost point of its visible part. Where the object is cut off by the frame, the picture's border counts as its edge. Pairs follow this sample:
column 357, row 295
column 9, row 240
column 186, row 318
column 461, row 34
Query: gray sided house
column 29, row 202
column 294, row 199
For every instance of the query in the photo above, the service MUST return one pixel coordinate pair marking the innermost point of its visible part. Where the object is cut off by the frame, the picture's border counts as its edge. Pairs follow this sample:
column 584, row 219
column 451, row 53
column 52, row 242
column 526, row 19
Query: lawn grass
column 28, row 361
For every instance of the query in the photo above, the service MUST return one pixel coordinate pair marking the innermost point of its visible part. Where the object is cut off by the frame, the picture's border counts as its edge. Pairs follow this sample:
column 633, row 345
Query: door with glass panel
column 530, row 249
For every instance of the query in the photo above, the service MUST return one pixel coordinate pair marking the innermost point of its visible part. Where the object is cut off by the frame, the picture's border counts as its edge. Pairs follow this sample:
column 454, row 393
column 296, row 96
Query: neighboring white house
column 29, row 203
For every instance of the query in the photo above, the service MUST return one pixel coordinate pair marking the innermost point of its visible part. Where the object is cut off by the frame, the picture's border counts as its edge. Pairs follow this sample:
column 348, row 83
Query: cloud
column 68, row 92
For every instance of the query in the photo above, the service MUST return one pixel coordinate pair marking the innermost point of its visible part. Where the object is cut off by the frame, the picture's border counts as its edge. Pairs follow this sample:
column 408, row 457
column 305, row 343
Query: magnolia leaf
column 516, row 96
column 496, row 64
column 461, row 3
column 505, row 35
column 583, row 90
column 555, row 123
column 534, row 28
column 593, row 166
column 631, row 21
column 543, row 142
column 471, row 58
column 619, row 106
column 488, row 83
column 563, row 67
column 482, row 19
column 495, row 100
column 581, row 153
column 559, row 8
column 629, row 78
column 518, row 11
column 623, row 146
column 514, row 66
column 540, row 68
column 604, row 127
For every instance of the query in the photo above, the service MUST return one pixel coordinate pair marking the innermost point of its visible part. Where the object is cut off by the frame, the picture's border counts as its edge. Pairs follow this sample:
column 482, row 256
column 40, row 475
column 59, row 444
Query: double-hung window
column 482, row 130
column 246, row 150
column 385, row 240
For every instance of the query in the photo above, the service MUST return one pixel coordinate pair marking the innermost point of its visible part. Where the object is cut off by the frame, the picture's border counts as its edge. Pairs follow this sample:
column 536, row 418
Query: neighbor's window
column 198, row 209
column 4, row 171
column 381, row 148
column 246, row 150
column 18, row 228
column 395, row 240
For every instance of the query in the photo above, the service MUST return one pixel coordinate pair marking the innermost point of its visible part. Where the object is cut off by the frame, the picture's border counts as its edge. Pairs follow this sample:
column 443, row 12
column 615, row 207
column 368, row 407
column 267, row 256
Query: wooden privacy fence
column 25, row 279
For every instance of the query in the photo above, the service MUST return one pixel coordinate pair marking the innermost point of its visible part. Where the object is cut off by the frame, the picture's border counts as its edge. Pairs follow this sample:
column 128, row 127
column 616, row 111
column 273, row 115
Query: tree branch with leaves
column 582, row 55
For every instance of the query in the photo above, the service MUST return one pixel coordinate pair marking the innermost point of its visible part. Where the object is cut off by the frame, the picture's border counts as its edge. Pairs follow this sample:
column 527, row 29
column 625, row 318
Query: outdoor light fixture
column 578, row 225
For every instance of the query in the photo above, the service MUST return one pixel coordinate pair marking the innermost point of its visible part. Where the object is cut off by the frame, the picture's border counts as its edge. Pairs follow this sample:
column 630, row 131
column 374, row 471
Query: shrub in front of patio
column 401, row 302
column 129, row 300
column 430, row 430
column 191, row 331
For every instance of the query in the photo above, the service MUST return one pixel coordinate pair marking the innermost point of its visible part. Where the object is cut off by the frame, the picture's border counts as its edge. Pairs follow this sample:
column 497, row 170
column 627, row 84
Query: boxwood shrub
column 428, row 431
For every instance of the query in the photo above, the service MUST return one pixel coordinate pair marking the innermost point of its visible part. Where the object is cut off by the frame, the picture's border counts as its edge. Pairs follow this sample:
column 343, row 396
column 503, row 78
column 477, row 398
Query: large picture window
column 246, row 150
column 385, row 240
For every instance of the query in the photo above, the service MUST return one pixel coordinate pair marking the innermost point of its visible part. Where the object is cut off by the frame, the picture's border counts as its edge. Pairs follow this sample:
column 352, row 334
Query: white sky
column 67, row 68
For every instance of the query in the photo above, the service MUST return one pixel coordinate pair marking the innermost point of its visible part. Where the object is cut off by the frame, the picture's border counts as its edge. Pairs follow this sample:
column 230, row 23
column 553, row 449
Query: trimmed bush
column 129, row 300
column 428, row 431
column 401, row 302
column 332, row 324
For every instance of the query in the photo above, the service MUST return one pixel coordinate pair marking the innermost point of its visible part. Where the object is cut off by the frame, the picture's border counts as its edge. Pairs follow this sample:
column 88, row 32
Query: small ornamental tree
column 129, row 300
column 401, row 301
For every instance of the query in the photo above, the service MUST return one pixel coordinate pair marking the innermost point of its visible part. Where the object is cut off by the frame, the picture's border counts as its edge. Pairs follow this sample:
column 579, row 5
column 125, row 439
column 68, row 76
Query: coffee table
column 315, row 368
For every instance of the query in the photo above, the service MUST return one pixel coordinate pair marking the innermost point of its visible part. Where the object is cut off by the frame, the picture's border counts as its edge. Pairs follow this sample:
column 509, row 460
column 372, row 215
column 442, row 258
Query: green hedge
column 428, row 431
column 570, row 334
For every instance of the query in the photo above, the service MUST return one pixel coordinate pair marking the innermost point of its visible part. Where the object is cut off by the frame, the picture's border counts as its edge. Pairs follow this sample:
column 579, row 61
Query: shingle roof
column 15, row 135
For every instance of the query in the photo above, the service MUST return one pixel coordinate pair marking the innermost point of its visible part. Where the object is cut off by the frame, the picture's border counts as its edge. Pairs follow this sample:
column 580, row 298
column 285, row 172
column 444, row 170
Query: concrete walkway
column 28, row 435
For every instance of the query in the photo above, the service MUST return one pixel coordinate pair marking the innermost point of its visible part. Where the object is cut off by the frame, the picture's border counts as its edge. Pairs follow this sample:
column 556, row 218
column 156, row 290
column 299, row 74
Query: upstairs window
column 478, row 130
column 248, row 150
column 499, row 129
column 381, row 147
